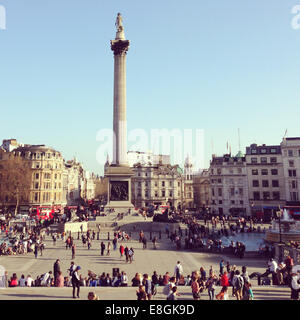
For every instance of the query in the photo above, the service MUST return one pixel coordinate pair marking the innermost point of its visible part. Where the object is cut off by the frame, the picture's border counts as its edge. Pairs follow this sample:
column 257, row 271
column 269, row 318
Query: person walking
column 238, row 284
column 36, row 250
column 295, row 286
column 56, row 270
column 144, row 240
column 76, row 282
column 89, row 243
column 108, row 248
column 73, row 251
column 102, row 245
column 115, row 241
column 121, row 250
column 178, row 271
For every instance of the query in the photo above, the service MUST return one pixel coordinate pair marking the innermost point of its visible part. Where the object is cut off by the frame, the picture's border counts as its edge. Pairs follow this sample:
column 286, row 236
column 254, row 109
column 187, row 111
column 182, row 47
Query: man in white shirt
column 273, row 266
column 178, row 271
column 29, row 281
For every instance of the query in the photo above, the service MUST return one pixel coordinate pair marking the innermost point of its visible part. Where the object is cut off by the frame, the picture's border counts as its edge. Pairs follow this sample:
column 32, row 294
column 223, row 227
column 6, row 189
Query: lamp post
column 280, row 245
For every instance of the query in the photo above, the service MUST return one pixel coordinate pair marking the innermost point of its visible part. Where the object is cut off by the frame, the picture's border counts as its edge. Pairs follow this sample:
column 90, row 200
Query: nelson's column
column 119, row 173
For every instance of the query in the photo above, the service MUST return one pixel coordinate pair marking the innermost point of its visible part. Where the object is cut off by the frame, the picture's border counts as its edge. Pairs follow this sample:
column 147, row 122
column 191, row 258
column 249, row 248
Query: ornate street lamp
column 279, row 214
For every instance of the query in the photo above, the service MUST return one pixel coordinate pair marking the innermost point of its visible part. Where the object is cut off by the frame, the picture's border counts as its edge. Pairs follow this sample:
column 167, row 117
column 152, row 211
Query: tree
column 16, row 177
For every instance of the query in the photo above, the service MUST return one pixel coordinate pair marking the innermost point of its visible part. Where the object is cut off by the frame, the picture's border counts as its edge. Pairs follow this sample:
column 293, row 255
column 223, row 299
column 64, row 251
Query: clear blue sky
column 213, row 65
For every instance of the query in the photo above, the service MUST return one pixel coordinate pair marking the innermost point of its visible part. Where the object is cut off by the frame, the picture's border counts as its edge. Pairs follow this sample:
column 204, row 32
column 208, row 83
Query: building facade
column 290, row 148
column 265, row 178
column 156, row 185
column 202, row 189
column 229, row 185
column 31, row 175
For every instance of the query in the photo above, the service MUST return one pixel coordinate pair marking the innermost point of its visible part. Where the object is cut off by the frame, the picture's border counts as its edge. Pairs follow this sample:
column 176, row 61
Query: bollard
column 78, row 235
column 98, row 235
column 108, row 235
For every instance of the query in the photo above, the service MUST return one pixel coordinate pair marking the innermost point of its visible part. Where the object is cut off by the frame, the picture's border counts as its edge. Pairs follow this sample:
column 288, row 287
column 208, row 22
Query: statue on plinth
column 120, row 28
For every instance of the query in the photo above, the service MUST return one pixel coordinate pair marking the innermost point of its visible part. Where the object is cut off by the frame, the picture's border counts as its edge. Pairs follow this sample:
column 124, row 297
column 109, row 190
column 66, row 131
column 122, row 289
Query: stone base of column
column 119, row 188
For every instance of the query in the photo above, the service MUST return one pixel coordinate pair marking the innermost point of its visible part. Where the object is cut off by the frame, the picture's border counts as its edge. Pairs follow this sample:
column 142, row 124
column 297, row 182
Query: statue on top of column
column 119, row 23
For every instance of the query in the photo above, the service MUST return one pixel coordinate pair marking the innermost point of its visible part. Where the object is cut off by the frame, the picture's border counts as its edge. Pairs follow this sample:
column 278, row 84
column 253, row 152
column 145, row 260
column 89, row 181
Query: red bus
column 44, row 212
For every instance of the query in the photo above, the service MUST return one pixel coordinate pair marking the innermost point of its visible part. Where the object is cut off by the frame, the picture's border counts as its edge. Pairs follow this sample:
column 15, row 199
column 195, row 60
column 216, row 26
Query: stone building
column 31, row 175
column 229, row 185
column 188, row 185
column 290, row 148
column 202, row 189
column 156, row 185
column 265, row 178
column 74, row 182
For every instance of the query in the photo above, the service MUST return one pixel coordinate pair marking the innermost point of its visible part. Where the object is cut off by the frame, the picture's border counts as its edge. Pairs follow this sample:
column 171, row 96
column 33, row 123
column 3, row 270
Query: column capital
column 119, row 47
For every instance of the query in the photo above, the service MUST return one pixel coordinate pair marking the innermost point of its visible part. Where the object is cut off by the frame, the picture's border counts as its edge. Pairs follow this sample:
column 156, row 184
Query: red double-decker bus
column 44, row 212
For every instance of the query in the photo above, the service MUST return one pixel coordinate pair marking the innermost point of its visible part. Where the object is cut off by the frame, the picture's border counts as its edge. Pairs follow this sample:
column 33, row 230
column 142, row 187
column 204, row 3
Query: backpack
column 238, row 283
column 167, row 289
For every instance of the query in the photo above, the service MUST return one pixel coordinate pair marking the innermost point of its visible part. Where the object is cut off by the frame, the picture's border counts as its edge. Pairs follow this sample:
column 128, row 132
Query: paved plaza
column 145, row 261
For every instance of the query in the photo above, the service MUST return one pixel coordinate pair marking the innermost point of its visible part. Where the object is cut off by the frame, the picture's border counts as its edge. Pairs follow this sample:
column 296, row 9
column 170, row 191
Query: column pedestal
column 119, row 188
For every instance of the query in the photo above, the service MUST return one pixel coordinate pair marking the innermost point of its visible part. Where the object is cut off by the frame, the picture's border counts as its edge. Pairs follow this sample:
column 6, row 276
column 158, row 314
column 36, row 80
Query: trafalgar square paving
column 161, row 260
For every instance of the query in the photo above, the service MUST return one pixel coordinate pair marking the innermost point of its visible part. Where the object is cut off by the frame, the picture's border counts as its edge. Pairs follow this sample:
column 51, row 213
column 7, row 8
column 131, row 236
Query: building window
column 219, row 192
column 291, row 163
column 241, row 202
column 241, row 191
column 256, row 195
column 253, row 160
column 263, row 160
column 274, row 172
column 255, row 183
column 290, row 153
column 37, row 175
column 293, row 184
column 36, row 197
column 276, row 195
column 156, row 194
column 36, row 185
column 273, row 160
column 292, row 173
column 265, row 183
column 163, row 193
column 253, row 151
column 275, row 183
column 220, row 202
column 273, row 150
column 170, row 193
column 263, row 150
column 266, row 195
column 231, row 192
column 219, row 171
column 232, row 202
column 254, row 172
column 264, row 172
column 163, row 183
column 294, row 196
column 170, row 183
column 219, row 180
column 299, row 153
column 213, row 192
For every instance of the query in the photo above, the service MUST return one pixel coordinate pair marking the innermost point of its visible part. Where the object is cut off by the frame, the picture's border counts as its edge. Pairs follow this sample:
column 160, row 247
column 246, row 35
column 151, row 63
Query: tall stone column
column 119, row 173
column 120, row 48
